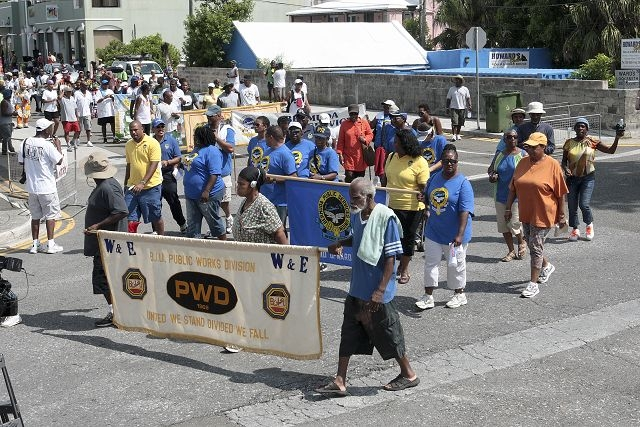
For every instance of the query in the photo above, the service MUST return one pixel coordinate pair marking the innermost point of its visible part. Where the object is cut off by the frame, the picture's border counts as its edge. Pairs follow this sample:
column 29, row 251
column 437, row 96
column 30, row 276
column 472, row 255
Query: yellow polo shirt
column 139, row 156
column 407, row 173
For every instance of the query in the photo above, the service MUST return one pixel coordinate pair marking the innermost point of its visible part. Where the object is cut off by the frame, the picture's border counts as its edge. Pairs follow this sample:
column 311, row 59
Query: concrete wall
column 408, row 91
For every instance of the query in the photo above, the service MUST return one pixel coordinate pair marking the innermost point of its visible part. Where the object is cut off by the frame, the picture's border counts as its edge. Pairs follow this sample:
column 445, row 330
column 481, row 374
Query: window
column 105, row 3
column 368, row 17
column 334, row 18
column 352, row 18
column 78, row 4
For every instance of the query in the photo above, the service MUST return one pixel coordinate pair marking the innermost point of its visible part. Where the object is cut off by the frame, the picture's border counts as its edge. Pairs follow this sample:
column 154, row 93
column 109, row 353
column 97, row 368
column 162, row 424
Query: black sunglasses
column 449, row 161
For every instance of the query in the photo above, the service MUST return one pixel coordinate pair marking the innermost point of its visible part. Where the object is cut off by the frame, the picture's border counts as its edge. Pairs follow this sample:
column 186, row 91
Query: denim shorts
column 147, row 203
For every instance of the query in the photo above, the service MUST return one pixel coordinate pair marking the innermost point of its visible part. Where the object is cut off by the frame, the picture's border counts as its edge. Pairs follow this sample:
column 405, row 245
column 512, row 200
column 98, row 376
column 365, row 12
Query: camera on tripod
column 8, row 300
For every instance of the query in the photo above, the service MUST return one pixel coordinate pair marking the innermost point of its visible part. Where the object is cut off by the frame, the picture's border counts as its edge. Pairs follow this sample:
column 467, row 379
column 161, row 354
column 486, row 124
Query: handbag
column 369, row 154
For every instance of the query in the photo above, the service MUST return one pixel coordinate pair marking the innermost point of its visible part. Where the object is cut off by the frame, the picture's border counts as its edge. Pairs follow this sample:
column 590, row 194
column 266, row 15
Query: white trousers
column 456, row 275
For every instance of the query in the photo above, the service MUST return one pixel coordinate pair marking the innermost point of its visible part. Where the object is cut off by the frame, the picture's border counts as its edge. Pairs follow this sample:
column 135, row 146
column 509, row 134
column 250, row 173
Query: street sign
column 471, row 38
column 627, row 79
column 629, row 54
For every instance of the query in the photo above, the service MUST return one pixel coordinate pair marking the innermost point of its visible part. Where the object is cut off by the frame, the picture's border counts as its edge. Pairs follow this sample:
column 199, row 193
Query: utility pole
column 423, row 22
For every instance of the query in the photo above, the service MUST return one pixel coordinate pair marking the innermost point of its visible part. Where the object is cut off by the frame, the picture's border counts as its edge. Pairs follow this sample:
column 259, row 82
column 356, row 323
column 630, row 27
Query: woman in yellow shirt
column 406, row 169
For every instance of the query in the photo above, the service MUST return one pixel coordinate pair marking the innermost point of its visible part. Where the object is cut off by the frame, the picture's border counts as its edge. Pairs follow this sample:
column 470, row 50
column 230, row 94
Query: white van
column 145, row 68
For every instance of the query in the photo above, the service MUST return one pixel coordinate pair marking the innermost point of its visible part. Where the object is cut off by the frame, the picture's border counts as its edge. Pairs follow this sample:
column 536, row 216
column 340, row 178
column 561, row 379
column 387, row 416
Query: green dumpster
column 498, row 106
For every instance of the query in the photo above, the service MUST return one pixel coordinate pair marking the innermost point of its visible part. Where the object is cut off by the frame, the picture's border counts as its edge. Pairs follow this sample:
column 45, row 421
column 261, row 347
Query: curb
column 17, row 234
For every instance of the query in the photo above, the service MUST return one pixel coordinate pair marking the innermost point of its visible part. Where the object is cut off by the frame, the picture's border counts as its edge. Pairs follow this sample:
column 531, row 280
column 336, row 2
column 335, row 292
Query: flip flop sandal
column 332, row 389
column 400, row 383
column 509, row 257
column 404, row 279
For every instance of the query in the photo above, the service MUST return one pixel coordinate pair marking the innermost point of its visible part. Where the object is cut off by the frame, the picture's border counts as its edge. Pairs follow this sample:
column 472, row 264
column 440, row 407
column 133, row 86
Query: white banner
column 263, row 298
column 243, row 121
column 630, row 54
column 509, row 59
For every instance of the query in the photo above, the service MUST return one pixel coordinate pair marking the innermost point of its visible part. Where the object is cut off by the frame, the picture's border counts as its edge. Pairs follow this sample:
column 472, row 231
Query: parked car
column 145, row 68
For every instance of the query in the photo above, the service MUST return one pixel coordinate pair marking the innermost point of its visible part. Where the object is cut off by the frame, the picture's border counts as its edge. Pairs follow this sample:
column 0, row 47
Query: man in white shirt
column 279, row 82
column 40, row 156
column 83, row 103
column 106, row 109
column 234, row 75
column 458, row 101
column 69, row 116
column 50, row 105
column 168, row 113
column 178, row 95
column 249, row 94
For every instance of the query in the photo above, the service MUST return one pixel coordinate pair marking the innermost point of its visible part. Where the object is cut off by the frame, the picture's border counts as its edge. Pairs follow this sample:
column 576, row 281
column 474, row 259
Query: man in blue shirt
column 370, row 316
column 225, row 138
column 258, row 144
column 277, row 160
column 170, row 160
column 301, row 148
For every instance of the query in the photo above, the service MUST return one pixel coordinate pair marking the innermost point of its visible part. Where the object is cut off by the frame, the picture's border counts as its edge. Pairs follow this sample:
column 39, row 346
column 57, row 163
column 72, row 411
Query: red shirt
column 350, row 147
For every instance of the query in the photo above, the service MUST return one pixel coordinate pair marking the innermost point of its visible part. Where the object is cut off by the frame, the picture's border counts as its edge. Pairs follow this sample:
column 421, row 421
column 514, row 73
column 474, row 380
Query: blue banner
column 319, row 215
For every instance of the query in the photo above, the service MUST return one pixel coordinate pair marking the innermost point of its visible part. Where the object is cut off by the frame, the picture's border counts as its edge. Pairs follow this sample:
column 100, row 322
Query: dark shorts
column 50, row 115
column 410, row 221
column 106, row 120
column 363, row 330
column 269, row 85
column 99, row 278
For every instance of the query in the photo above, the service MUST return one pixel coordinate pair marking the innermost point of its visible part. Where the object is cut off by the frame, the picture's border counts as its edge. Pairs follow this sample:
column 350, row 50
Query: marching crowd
column 435, row 204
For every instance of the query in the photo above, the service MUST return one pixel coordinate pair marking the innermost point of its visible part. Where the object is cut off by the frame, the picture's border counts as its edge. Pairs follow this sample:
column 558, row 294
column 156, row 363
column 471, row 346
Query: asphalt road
column 567, row 357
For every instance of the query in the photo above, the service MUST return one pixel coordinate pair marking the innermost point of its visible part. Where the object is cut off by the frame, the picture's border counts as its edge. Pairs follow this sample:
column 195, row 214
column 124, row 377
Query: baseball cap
column 213, row 110
column 211, row 85
column 322, row 132
column 42, row 124
column 297, row 81
column 49, row 82
column 295, row 125
column 324, row 119
column 104, row 81
column 536, row 138
column 424, row 130
column 353, row 108
column 157, row 122
column 393, row 109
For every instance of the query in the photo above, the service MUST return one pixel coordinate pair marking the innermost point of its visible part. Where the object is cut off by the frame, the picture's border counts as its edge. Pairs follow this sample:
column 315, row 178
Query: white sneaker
column 425, row 302
column 457, row 300
column 458, row 137
column 232, row 348
column 575, row 235
column 589, row 232
column 545, row 273
column 10, row 321
column 531, row 290
column 34, row 249
column 54, row 249
column 89, row 144
column 229, row 224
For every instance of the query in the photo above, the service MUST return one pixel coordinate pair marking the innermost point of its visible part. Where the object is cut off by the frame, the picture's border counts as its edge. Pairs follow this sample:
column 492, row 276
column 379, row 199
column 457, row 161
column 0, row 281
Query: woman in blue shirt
column 203, row 187
column 504, row 164
column 449, row 197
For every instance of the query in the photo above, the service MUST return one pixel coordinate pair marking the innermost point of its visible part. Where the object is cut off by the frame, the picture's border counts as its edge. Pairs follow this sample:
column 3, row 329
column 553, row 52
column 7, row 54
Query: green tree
column 598, row 68
column 210, row 29
column 458, row 16
column 150, row 45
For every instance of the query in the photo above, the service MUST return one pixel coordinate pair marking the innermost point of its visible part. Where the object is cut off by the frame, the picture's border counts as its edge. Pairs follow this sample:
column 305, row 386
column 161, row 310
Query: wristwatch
column 143, row 182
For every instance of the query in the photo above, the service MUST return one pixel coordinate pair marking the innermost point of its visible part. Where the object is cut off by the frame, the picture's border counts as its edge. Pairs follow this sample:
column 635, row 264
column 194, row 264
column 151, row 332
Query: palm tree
column 458, row 16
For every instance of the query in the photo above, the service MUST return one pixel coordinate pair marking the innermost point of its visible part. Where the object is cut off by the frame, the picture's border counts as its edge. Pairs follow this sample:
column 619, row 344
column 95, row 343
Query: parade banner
column 122, row 105
column 319, row 215
column 262, row 298
column 196, row 118
column 243, row 120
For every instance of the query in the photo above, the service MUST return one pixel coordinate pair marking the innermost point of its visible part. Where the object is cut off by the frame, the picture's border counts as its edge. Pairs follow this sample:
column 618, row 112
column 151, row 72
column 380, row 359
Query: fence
column 563, row 127
column 66, row 176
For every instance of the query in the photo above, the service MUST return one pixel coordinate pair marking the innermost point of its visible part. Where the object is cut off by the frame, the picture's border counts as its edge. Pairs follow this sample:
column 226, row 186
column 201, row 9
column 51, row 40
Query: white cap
column 211, row 85
column 42, row 124
column 295, row 125
column 324, row 119
column 297, row 81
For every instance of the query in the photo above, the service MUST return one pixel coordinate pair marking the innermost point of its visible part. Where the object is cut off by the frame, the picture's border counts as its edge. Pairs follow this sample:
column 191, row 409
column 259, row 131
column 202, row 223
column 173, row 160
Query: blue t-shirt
column 388, row 137
column 302, row 152
column 365, row 278
column 226, row 157
column 199, row 165
column 447, row 198
column 505, row 167
column 324, row 162
column 432, row 150
column 380, row 123
column 308, row 132
column 256, row 150
column 277, row 161
column 170, row 149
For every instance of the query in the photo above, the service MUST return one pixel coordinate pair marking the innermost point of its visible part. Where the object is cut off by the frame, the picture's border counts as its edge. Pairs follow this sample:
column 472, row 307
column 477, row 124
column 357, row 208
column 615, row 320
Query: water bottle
column 453, row 260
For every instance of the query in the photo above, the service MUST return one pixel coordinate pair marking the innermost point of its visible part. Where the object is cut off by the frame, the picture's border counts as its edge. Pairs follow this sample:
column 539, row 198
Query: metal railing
column 563, row 126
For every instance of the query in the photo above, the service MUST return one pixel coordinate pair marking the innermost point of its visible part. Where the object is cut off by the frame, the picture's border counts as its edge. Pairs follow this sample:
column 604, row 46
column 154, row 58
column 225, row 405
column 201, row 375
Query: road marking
column 63, row 226
column 453, row 365
column 619, row 155
column 476, row 152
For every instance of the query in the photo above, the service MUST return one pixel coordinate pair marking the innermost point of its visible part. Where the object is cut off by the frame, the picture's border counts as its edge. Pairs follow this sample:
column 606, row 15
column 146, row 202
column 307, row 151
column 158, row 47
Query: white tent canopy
column 333, row 45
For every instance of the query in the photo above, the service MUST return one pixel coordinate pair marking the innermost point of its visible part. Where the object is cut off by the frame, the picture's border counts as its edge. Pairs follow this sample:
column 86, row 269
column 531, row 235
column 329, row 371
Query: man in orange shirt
column 353, row 134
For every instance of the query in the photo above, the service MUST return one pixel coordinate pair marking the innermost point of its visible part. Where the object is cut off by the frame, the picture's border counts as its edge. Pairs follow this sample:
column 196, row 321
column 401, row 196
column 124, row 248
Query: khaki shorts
column 514, row 226
column 227, row 188
column 45, row 206
column 457, row 117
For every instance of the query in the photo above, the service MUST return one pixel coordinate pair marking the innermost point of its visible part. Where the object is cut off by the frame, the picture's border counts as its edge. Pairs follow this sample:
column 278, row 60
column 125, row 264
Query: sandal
column 522, row 250
column 332, row 389
column 404, row 279
column 509, row 257
column 400, row 383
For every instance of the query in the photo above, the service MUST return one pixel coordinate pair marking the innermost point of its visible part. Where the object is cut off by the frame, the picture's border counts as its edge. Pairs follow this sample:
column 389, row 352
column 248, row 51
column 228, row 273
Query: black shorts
column 99, row 277
column 410, row 221
column 269, row 85
column 106, row 120
column 363, row 330
column 50, row 115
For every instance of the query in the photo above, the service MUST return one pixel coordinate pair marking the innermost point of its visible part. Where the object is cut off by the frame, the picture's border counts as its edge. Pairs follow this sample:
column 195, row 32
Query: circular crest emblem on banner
column 134, row 283
column 333, row 212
